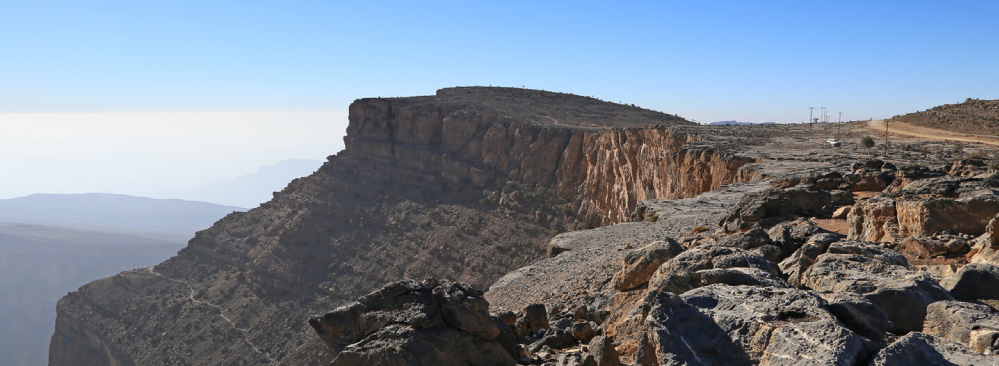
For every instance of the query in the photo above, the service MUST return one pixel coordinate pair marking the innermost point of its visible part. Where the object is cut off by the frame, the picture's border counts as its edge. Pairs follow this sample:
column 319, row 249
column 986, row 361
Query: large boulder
column 970, row 324
column 922, row 349
column 400, row 345
column 414, row 323
column 925, row 247
column 772, row 206
column 640, row 264
column 796, row 264
column 975, row 281
column 857, row 314
column 869, row 250
column 929, row 216
column 873, row 220
column 740, row 276
column 903, row 294
column 791, row 235
column 603, row 353
column 682, row 273
column 986, row 247
column 533, row 319
column 870, row 177
column 738, row 325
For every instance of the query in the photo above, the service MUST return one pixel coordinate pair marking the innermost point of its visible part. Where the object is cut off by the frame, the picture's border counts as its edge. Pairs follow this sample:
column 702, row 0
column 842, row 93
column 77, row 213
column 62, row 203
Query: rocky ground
column 752, row 274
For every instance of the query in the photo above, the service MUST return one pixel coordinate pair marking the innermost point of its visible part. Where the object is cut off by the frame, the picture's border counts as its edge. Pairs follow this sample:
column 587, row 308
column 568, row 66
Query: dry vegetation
column 974, row 116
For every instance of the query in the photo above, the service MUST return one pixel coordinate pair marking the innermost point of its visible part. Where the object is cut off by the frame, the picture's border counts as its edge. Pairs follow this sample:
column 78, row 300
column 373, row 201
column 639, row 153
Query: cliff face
column 602, row 174
column 464, row 185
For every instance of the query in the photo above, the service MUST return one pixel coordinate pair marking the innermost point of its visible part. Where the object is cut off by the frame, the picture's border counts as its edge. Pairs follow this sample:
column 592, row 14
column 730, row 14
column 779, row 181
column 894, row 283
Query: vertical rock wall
column 602, row 173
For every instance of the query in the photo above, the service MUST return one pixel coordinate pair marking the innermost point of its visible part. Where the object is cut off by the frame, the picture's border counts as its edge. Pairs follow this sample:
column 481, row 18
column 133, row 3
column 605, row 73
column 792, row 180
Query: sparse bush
column 653, row 218
column 979, row 154
column 867, row 142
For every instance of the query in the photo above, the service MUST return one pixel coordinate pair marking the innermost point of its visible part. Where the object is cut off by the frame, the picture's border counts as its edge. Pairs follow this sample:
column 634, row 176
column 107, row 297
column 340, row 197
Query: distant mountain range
column 739, row 123
column 253, row 189
column 169, row 220
column 40, row 264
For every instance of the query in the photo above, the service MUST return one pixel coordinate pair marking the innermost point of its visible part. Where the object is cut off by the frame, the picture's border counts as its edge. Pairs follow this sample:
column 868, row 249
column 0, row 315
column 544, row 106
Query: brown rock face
column 924, row 207
column 465, row 185
column 601, row 174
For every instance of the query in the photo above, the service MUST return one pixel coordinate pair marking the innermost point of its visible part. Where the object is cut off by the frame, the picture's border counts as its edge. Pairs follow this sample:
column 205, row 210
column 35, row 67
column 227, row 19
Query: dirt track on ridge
column 930, row 133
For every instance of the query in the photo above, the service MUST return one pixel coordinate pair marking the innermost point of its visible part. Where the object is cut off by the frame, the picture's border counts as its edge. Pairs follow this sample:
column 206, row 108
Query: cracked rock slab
column 730, row 325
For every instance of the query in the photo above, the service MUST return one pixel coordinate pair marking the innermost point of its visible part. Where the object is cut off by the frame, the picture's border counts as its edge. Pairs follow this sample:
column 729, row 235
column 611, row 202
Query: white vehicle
column 834, row 142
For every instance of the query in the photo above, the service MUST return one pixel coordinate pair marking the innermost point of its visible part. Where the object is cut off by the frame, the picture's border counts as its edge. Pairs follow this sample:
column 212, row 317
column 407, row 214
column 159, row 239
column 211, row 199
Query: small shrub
column 867, row 142
column 653, row 218
column 700, row 229
column 979, row 154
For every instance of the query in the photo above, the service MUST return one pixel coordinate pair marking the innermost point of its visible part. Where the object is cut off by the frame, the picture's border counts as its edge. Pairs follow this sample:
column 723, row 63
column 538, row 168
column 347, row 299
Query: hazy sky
column 704, row 60
column 154, row 154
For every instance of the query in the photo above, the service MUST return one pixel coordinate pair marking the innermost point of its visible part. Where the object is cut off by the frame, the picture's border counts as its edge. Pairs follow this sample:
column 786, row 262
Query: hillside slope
column 973, row 116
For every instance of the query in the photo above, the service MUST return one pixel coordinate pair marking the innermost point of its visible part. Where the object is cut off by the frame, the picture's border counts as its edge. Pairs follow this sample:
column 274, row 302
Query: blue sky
column 144, row 63
column 706, row 60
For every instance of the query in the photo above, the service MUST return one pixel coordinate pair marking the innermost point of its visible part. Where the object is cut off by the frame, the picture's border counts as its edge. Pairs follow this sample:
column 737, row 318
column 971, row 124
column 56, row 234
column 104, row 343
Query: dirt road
column 930, row 133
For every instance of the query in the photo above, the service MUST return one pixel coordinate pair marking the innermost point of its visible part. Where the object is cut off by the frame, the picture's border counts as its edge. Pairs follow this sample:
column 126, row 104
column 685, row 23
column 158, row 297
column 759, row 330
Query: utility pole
column 839, row 126
column 810, row 115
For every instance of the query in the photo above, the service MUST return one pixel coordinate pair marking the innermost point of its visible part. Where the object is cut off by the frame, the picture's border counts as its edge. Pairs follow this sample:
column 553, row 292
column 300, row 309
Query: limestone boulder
column 975, row 281
column 740, row 276
column 970, row 324
column 737, row 325
column 772, row 206
column 869, row 250
column 869, row 179
column 873, row 220
column 682, row 273
column 640, row 264
column 403, row 345
column 414, row 323
column 902, row 293
column 986, row 246
column 930, row 216
column 857, row 314
column 533, row 319
column 796, row 264
column 603, row 353
column 791, row 235
column 922, row 349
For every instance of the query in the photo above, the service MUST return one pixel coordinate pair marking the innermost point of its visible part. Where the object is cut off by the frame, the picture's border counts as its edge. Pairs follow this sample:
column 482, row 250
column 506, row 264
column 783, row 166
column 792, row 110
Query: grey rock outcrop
column 799, row 261
column 773, row 206
column 732, row 325
column 922, row 349
column 682, row 273
column 740, row 276
column 902, row 293
column 970, row 324
column 975, row 281
column 858, row 314
column 640, row 264
column 414, row 323
column 603, row 352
